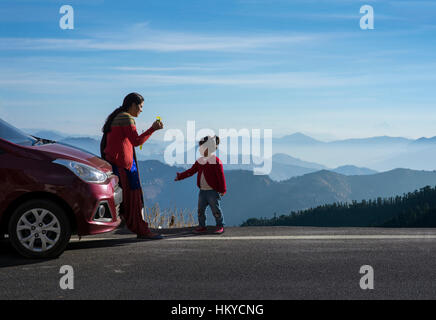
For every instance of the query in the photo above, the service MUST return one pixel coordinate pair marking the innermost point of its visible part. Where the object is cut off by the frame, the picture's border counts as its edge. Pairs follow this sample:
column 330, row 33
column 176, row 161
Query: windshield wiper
column 41, row 141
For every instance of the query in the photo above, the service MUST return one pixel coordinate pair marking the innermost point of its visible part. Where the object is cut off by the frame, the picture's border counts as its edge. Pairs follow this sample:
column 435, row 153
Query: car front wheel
column 39, row 229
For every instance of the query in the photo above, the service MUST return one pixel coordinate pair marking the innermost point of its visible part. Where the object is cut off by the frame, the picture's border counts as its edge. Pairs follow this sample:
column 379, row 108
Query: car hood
column 61, row 151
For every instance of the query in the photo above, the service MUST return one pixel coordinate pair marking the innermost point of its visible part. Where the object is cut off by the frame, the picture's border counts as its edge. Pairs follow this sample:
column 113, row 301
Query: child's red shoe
column 219, row 230
column 200, row 230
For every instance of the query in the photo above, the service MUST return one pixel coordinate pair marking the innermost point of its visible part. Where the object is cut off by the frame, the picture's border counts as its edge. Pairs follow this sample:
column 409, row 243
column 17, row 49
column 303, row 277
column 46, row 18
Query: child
column 211, row 181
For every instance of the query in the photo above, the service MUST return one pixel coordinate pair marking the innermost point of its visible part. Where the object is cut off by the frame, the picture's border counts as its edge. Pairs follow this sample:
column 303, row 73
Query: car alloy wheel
column 38, row 230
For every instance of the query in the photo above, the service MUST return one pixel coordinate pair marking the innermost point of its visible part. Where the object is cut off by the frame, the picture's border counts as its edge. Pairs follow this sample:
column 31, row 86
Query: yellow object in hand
column 157, row 119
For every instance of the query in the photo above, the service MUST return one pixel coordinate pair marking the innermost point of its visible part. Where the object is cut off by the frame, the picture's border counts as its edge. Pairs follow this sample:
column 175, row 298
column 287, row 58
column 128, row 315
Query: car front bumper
column 94, row 196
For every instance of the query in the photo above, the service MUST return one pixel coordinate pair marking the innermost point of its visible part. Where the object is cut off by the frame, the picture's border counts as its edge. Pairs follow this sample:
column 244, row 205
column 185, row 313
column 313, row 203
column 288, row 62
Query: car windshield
column 14, row 135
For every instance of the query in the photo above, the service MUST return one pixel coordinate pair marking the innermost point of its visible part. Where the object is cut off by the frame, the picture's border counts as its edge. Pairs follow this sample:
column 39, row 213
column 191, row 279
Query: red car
column 49, row 191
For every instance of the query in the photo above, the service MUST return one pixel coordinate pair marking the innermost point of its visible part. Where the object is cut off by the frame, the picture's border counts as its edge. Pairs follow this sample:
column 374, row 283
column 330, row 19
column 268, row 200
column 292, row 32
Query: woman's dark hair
column 127, row 103
column 205, row 139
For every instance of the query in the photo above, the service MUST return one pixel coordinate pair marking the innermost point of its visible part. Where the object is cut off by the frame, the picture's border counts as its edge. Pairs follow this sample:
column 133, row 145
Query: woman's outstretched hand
column 157, row 125
column 177, row 179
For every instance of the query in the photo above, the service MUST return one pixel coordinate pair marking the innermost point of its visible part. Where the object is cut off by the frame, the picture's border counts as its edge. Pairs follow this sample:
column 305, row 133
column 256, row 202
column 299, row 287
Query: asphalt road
column 244, row 263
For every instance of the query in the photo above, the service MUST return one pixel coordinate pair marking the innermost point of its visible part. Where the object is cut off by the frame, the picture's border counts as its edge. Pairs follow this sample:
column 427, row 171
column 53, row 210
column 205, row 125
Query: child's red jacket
column 213, row 173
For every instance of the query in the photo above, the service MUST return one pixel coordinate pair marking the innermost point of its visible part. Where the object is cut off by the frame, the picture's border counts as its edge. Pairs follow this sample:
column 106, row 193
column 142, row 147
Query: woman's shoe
column 200, row 230
column 150, row 236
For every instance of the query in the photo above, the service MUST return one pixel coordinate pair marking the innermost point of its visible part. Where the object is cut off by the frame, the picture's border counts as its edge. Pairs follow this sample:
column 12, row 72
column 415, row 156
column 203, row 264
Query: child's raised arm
column 188, row 173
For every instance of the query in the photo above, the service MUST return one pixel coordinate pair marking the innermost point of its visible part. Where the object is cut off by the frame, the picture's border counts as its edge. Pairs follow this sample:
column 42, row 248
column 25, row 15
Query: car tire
column 39, row 229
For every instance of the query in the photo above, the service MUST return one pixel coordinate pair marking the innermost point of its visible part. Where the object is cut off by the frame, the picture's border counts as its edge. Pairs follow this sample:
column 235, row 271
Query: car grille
column 118, row 195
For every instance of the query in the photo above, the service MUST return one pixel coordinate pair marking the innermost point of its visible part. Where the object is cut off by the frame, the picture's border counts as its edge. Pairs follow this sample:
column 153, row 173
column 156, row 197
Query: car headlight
column 83, row 171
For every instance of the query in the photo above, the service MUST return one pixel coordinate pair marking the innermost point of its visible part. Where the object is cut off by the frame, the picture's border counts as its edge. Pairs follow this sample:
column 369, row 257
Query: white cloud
column 165, row 69
column 275, row 80
column 57, row 82
column 150, row 40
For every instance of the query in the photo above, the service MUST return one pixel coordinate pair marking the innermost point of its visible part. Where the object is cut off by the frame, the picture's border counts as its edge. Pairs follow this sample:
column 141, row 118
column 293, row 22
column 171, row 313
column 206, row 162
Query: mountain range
column 251, row 196
column 378, row 153
column 349, row 157
column 284, row 166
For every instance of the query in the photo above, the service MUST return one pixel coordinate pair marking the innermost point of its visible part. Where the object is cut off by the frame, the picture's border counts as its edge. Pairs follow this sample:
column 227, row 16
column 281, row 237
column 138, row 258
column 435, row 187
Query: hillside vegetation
column 414, row 209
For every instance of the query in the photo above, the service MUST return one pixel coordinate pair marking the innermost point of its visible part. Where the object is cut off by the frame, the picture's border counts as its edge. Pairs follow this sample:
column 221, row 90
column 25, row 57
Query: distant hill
column 282, row 172
column 288, row 160
column 302, row 139
column 382, row 140
column 298, row 138
column 378, row 153
column 353, row 171
column 421, row 157
column 283, row 166
column 88, row 144
column 425, row 141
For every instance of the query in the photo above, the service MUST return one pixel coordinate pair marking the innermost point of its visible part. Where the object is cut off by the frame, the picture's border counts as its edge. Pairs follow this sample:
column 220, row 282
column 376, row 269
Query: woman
column 118, row 147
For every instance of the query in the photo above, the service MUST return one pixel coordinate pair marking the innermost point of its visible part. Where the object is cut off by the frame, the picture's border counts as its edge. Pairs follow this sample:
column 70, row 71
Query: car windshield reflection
column 15, row 135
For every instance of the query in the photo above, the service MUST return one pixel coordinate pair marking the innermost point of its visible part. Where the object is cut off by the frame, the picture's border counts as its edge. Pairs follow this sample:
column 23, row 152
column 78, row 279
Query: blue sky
column 291, row 66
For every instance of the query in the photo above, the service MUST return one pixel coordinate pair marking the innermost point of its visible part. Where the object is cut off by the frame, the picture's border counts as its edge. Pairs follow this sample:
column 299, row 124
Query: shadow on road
column 171, row 233
column 114, row 242
column 9, row 257
column 101, row 243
